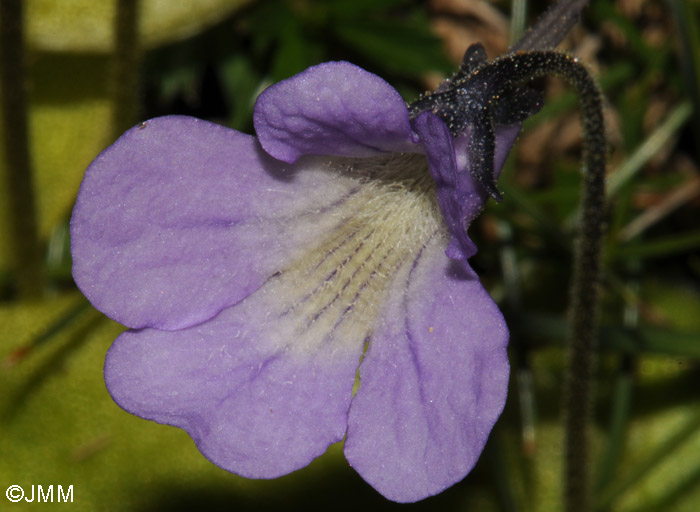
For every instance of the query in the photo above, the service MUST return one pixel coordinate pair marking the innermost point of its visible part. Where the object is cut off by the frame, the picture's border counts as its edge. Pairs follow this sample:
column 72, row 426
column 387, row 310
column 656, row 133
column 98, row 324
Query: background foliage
column 58, row 425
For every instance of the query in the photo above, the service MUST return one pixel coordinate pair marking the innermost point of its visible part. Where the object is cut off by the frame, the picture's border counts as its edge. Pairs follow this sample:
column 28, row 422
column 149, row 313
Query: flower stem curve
column 519, row 67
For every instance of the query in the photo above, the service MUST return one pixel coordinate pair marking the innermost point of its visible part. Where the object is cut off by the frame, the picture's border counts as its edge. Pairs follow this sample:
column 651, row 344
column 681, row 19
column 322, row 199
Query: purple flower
column 257, row 275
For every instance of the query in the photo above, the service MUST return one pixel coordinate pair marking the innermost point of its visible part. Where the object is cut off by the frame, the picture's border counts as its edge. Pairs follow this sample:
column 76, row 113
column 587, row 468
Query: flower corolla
column 257, row 274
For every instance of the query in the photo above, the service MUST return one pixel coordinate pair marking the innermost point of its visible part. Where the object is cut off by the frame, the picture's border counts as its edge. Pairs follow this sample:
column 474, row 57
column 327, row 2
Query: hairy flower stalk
column 501, row 76
column 586, row 266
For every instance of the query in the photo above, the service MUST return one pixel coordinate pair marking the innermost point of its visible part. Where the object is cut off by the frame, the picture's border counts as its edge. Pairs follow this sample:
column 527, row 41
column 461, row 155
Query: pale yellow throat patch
column 333, row 293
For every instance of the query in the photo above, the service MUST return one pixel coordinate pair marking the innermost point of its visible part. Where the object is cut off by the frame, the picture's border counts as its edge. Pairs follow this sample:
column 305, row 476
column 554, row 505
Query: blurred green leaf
column 396, row 46
column 644, row 340
column 651, row 146
column 294, row 53
column 86, row 25
column 615, row 440
column 661, row 453
column 241, row 82
column 660, row 246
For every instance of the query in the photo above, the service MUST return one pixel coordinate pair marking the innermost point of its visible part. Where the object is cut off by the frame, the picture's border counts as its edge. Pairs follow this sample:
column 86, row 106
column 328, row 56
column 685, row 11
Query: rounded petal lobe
column 335, row 108
column 432, row 383
column 181, row 218
column 260, row 389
